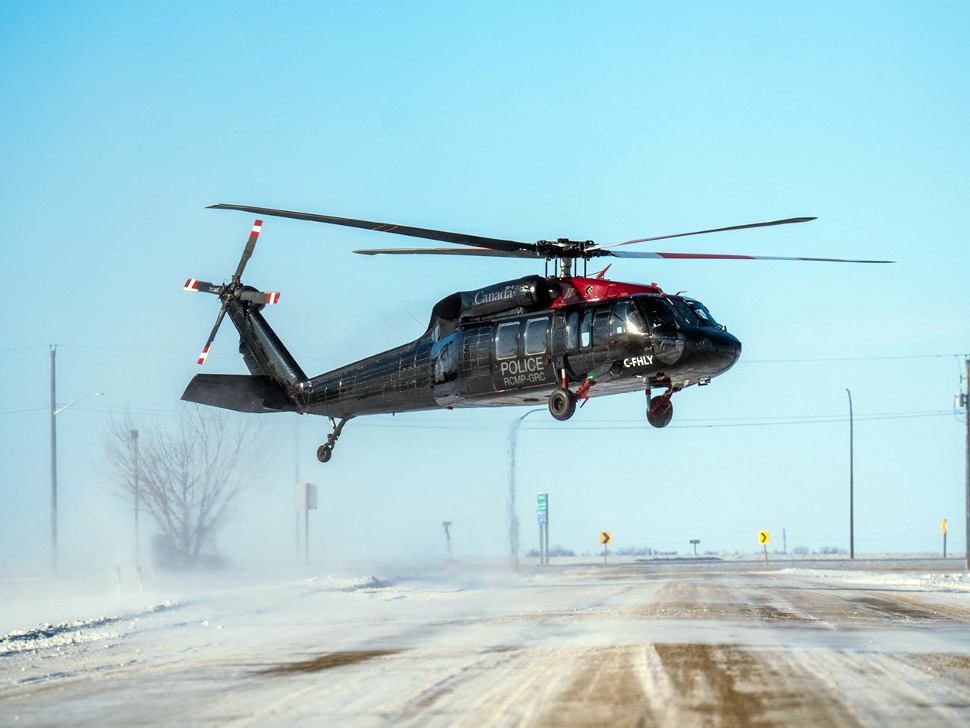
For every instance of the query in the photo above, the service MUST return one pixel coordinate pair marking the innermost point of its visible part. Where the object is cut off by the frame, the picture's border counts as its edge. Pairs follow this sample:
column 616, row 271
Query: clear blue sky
column 121, row 121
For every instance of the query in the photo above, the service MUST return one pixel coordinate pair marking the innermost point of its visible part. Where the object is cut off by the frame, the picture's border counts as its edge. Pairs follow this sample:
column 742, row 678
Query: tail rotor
column 234, row 290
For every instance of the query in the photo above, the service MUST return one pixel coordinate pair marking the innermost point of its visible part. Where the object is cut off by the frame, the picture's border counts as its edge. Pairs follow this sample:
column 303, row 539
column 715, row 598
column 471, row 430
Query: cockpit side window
column 659, row 311
column 627, row 321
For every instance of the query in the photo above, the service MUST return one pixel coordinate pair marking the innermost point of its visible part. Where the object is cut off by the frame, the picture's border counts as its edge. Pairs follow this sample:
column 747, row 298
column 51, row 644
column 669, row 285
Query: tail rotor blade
column 260, row 297
column 248, row 252
column 193, row 285
column 212, row 336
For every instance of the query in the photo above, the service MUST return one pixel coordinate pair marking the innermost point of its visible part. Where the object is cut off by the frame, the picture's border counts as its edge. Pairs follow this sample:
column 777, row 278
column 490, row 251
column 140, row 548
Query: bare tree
column 187, row 472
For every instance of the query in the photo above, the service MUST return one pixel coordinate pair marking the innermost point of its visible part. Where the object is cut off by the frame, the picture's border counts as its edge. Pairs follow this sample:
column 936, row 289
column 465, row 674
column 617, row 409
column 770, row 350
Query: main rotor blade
column 483, row 252
column 415, row 232
column 715, row 256
column 248, row 250
column 787, row 221
column 212, row 336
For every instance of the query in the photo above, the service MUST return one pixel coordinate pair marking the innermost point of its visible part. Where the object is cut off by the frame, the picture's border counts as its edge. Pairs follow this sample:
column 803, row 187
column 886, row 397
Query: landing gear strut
column 325, row 451
column 659, row 409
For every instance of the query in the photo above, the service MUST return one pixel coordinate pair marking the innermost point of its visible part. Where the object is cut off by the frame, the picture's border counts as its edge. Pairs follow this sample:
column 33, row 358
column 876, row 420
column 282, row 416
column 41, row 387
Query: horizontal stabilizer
column 238, row 392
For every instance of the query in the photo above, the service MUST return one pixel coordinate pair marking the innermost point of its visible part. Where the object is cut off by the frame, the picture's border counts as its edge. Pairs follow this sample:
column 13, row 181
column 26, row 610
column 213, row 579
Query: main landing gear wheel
column 325, row 451
column 562, row 404
column 660, row 411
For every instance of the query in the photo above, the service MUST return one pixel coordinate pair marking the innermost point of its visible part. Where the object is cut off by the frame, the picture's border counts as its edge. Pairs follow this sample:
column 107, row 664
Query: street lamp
column 510, row 503
column 54, row 412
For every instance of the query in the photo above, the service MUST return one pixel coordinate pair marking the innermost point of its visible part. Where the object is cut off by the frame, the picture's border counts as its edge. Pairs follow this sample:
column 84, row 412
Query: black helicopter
column 559, row 339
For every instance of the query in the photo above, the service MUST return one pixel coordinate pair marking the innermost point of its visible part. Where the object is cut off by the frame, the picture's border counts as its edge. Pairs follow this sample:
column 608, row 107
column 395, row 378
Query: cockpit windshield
column 701, row 310
column 670, row 313
column 685, row 313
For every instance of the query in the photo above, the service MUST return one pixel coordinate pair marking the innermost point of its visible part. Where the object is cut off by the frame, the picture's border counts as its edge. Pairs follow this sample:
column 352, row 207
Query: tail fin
column 265, row 350
column 277, row 382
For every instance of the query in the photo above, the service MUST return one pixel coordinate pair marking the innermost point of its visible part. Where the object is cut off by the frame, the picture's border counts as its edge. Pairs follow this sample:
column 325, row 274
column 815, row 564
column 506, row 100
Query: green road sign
column 541, row 501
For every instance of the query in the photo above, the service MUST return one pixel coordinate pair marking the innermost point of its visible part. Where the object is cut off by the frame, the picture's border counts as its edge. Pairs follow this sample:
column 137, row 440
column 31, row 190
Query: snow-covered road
column 684, row 643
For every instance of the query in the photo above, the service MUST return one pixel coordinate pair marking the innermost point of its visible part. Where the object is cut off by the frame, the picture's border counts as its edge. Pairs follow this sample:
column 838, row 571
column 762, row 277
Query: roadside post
column 763, row 540
column 306, row 501
column 943, row 526
column 605, row 540
column 542, row 513
column 447, row 527
column 694, row 542
column 134, row 440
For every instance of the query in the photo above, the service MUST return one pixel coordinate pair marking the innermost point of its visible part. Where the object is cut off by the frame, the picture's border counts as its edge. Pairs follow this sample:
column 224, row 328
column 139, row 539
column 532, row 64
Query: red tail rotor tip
column 191, row 285
column 205, row 353
column 272, row 298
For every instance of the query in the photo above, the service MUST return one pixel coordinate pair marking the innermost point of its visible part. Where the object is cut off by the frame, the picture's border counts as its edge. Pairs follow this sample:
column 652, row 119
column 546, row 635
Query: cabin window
column 601, row 328
column 585, row 328
column 627, row 320
column 536, row 331
column 572, row 331
column 507, row 341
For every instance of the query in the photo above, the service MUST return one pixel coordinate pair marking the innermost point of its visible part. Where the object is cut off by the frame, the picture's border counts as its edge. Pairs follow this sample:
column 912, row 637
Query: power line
column 786, row 422
column 849, row 358
column 605, row 425
column 22, row 348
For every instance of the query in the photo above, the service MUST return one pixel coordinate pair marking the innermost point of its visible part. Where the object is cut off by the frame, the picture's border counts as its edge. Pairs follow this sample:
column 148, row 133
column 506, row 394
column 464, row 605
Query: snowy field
column 641, row 642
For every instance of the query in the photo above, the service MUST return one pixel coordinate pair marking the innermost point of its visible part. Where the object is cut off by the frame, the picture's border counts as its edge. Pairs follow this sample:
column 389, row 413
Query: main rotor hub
column 565, row 248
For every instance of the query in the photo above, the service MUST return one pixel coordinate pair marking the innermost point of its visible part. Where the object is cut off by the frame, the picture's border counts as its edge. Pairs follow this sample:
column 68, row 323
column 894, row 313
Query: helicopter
column 559, row 338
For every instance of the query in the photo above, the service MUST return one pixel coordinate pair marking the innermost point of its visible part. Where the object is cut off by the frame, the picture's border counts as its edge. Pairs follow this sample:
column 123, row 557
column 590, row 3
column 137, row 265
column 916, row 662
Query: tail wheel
column 562, row 404
column 324, row 452
column 660, row 412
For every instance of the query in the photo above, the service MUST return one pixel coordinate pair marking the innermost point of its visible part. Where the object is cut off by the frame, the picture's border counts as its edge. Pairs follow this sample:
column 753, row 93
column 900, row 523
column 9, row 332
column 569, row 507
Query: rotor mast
column 565, row 251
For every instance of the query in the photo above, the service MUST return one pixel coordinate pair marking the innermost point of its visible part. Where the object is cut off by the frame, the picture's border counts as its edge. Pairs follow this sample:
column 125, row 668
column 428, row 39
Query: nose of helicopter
column 716, row 351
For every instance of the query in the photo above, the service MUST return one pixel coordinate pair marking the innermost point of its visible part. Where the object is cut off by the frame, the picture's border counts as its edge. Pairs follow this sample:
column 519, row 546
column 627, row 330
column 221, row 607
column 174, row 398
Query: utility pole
column 852, row 482
column 134, row 440
column 54, row 412
column 966, row 412
column 53, row 460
